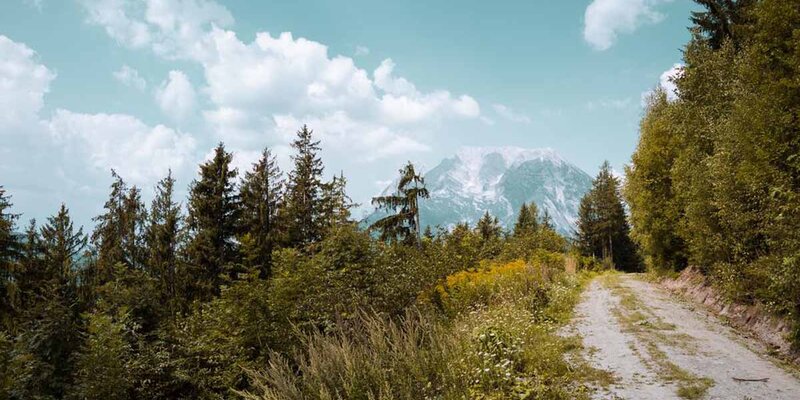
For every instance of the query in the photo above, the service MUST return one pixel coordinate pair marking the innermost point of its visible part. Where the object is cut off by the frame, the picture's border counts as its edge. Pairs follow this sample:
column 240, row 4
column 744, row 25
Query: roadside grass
column 651, row 331
column 486, row 334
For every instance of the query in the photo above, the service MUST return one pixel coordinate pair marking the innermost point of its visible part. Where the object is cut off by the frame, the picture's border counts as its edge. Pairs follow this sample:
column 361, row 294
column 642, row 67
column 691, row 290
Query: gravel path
column 661, row 348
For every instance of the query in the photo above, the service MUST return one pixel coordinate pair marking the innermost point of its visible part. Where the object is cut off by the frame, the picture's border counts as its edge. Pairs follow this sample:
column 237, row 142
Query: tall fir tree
column 336, row 204
column 404, row 223
column 302, row 213
column 119, row 234
column 262, row 199
column 9, row 247
column 488, row 227
column 61, row 245
column 603, row 229
column 163, row 238
column 213, row 222
column 527, row 220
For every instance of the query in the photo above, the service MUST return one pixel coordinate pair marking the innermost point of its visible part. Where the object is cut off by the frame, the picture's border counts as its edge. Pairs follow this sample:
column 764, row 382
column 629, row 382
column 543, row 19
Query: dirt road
column 661, row 348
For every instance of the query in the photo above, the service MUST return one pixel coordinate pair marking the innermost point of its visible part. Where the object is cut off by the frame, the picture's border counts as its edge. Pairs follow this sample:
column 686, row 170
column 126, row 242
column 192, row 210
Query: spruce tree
column 336, row 205
column 603, row 229
column 262, row 194
column 527, row 220
column 404, row 224
column 304, row 192
column 9, row 246
column 119, row 234
column 213, row 222
column 165, row 225
column 61, row 245
column 488, row 227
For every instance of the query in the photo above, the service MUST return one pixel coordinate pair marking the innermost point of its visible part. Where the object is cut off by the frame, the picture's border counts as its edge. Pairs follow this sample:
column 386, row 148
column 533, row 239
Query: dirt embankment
column 754, row 320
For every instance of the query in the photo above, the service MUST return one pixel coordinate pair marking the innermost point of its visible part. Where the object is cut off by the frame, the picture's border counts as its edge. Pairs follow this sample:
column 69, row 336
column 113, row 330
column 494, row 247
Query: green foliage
column 119, row 234
column 262, row 192
column 213, row 222
column 163, row 238
column 102, row 364
column 603, row 229
column 716, row 176
column 159, row 307
column 302, row 213
column 655, row 210
column 403, row 225
column 494, row 352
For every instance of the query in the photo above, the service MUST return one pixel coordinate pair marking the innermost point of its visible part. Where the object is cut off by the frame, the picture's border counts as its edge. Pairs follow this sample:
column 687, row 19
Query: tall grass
column 486, row 334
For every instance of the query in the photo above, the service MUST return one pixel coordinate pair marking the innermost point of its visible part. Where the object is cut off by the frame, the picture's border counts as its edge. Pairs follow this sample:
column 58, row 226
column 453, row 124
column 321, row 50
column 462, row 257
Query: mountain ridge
column 499, row 179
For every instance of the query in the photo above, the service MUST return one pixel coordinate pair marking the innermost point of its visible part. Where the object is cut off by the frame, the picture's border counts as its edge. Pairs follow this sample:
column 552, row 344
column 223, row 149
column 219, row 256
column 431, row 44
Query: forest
column 262, row 285
column 267, row 288
column 714, row 181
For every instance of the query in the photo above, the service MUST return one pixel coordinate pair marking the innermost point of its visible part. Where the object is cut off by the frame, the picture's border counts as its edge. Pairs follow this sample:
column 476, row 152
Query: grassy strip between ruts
column 486, row 334
column 651, row 331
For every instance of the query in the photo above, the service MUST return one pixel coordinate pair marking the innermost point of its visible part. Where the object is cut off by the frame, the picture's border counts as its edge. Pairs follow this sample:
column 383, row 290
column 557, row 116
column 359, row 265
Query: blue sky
column 143, row 86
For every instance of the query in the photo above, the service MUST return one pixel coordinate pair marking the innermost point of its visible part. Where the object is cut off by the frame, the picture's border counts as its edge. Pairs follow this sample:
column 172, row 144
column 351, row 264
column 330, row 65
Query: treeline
column 156, row 302
column 715, row 179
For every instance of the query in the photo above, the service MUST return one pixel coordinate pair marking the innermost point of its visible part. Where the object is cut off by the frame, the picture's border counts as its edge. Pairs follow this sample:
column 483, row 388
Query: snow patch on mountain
column 499, row 180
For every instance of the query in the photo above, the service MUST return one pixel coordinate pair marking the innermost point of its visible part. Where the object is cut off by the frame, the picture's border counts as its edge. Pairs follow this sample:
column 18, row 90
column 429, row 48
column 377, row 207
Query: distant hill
column 500, row 179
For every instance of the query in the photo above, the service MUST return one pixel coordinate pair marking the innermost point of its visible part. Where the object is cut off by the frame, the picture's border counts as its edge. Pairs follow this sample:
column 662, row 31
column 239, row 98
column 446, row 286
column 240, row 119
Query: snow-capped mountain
column 500, row 179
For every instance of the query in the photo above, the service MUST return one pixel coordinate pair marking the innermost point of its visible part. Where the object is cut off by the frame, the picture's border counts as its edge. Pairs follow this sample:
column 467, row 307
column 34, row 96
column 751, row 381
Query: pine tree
column 51, row 334
column 547, row 221
column 488, row 227
column 119, row 234
column 603, row 229
column 61, row 245
column 9, row 247
column 213, row 222
column 304, row 192
column 262, row 194
column 722, row 20
column 336, row 205
column 527, row 220
column 404, row 224
column 165, row 225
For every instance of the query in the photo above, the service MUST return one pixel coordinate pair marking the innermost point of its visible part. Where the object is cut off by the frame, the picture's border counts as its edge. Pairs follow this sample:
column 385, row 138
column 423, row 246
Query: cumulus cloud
column 294, row 79
column 511, row 115
column 172, row 28
column 666, row 81
column 64, row 157
column 23, row 84
column 176, row 96
column 604, row 20
column 139, row 152
column 130, row 77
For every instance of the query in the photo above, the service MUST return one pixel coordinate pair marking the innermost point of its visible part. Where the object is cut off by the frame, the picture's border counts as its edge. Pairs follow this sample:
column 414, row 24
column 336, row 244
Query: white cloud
column 138, row 152
column 666, row 81
column 511, row 115
column 176, row 96
column 23, row 84
column 66, row 157
column 130, row 77
column 172, row 28
column 604, row 20
column 252, row 85
column 361, row 51
column 363, row 140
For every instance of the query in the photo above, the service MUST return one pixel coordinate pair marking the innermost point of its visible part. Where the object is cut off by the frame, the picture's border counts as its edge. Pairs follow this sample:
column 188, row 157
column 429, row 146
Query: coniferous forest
column 265, row 287
column 261, row 284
